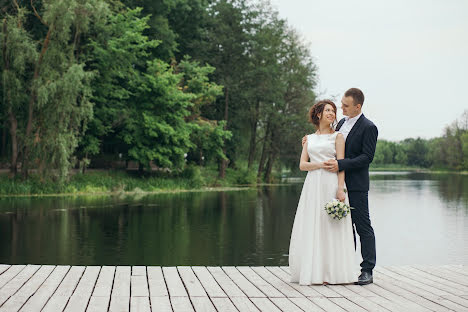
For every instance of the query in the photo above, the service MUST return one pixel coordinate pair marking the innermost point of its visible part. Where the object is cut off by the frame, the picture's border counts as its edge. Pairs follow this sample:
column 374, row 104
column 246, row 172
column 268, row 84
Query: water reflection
column 418, row 218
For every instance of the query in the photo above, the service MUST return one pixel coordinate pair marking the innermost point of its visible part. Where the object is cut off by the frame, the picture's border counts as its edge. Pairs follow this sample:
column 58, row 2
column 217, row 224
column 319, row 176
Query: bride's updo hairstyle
column 317, row 109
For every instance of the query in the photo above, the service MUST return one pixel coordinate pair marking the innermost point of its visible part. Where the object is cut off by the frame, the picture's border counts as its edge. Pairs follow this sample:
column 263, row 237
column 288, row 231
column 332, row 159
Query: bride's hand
column 341, row 195
column 304, row 140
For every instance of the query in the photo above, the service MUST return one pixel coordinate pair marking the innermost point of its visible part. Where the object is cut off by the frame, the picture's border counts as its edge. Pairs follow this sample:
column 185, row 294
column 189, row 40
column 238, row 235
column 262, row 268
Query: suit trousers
column 361, row 221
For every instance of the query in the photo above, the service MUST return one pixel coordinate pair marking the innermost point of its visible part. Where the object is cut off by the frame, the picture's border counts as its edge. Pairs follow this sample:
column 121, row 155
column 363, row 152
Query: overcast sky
column 410, row 58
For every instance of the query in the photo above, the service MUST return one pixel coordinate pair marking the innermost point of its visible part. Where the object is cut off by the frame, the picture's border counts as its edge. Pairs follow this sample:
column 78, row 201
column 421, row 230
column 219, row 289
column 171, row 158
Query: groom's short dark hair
column 357, row 95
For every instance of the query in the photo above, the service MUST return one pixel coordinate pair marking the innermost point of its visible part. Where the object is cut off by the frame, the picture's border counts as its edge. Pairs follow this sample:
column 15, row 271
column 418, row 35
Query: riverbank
column 115, row 182
column 396, row 168
column 111, row 182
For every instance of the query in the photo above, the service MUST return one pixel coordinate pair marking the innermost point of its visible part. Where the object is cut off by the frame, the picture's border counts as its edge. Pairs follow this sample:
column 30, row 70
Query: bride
column 321, row 250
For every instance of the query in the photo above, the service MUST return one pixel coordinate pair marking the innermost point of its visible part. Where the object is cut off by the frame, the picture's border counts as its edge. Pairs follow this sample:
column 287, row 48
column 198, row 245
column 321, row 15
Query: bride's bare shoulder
column 339, row 137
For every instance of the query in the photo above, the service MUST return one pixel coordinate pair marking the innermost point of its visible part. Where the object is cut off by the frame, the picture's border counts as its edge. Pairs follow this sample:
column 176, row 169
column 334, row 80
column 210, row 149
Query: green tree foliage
column 55, row 106
column 19, row 54
column 145, row 108
column 450, row 151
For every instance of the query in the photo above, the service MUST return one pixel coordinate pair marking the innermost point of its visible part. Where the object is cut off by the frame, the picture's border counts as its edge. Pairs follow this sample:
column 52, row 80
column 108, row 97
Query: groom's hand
column 304, row 140
column 331, row 165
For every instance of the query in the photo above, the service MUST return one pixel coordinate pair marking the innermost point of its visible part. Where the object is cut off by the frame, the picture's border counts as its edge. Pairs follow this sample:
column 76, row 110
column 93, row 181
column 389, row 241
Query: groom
column 361, row 138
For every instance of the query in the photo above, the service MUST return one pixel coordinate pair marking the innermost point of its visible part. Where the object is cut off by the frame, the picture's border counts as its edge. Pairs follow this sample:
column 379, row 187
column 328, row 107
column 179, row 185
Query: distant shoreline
column 112, row 183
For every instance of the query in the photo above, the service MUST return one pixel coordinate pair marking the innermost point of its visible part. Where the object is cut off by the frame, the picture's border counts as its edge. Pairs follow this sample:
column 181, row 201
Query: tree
column 146, row 108
column 56, row 109
column 19, row 54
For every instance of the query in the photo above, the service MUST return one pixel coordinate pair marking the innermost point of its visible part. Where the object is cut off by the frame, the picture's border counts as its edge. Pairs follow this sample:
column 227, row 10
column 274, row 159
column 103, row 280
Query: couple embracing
column 322, row 249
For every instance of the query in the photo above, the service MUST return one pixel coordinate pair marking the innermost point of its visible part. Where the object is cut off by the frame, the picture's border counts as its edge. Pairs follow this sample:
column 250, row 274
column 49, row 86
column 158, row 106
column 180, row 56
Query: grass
column 395, row 167
column 112, row 182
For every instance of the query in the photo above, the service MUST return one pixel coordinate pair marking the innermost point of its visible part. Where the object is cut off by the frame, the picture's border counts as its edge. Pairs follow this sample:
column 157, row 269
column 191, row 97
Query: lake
column 418, row 218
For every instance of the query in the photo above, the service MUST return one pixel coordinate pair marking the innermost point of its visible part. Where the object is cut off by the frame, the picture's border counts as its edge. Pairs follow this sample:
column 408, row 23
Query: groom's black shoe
column 365, row 278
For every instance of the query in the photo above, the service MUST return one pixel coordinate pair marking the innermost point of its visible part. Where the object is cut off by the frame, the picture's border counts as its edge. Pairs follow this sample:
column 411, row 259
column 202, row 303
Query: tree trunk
column 253, row 135
column 14, row 144
column 32, row 99
column 264, row 151
column 4, row 134
column 269, row 166
column 223, row 164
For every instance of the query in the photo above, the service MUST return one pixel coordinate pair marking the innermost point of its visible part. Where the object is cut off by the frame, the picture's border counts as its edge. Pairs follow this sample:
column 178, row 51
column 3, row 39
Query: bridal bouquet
column 337, row 209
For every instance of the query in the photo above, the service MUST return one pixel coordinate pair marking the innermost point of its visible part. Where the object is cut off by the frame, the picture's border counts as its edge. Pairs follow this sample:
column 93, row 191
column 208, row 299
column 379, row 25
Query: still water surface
column 417, row 218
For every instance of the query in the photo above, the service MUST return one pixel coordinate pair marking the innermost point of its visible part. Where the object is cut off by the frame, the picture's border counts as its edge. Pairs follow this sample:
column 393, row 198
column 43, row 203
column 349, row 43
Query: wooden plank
column 138, row 271
column 347, row 305
column 191, row 282
column 342, row 291
column 406, row 304
column 282, row 275
column 399, row 288
column 15, row 302
column 277, row 283
column 208, row 282
column 120, row 295
column 406, row 275
column 100, row 298
column 259, row 282
column 156, row 282
column 98, row 304
column 360, row 290
column 202, row 304
column 174, row 283
column 119, row 304
column 181, row 304
column 326, row 291
column 139, row 286
column 46, row 290
column 428, row 292
column 161, row 304
column 17, row 282
column 121, row 286
column 3, row 268
column 455, row 288
column 63, row 293
column 265, row 305
column 306, row 305
column 457, row 269
column 139, row 304
column 369, row 305
column 80, row 298
column 225, row 282
column 285, row 304
column 139, row 300
column 412, row 293
column 370, row 301
column 243, row 304
column 454, row 302
column 10, row 274
column 327, row 305
column 443, row 273
column 247, row 287
column 459, row 300
column 103, row 286
column 224, row 304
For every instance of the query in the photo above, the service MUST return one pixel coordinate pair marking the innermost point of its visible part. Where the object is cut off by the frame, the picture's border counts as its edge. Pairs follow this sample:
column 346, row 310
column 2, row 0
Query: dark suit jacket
column 359, row 153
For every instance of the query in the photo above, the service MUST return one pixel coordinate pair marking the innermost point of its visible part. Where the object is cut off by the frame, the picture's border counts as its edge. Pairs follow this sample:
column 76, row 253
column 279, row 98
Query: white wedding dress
column 321, row 248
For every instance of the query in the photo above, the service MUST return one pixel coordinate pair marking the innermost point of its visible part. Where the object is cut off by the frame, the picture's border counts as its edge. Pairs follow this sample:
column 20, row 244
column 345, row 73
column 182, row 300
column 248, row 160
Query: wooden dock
column 197, row 288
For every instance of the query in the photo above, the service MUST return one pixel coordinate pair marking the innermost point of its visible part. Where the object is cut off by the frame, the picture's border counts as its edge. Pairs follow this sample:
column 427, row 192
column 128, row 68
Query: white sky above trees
column 410, row 58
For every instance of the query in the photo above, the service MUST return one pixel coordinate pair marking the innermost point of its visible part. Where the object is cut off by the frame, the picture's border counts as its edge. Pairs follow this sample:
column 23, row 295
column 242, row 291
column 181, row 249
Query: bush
column 194, row 175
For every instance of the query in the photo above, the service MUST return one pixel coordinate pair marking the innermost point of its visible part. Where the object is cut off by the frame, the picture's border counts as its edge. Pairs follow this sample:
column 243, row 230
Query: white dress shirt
column 348, row 125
